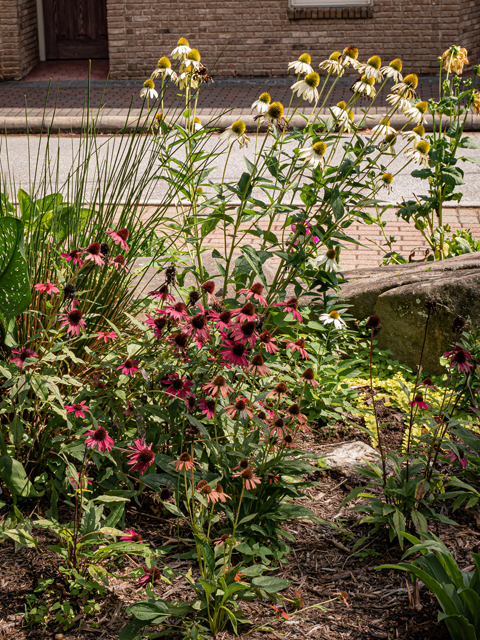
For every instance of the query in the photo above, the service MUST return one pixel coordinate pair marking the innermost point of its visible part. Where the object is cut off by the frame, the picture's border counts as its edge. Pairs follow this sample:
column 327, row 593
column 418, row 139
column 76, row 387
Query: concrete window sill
column 331, row 13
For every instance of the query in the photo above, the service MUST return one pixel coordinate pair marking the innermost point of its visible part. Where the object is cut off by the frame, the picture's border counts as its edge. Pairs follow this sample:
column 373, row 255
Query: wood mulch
column 378, row 604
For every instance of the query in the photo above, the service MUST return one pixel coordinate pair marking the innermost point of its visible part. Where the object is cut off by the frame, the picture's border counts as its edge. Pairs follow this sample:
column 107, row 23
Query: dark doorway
column 75, row 29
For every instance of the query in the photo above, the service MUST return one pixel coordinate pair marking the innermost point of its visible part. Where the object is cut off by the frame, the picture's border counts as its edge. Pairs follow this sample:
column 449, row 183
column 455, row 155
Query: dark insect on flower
column 431, row 305
column 193, row 298
column 171, row 274
column 458, row 324
column 374, row 323
column 105, row 248
column 69, row 290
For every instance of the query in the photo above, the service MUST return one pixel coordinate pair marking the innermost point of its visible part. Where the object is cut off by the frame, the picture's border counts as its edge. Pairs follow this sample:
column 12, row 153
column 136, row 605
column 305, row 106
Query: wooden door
column 75, row 29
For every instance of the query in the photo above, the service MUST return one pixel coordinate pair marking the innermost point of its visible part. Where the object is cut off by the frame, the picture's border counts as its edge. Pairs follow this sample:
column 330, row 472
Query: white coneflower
column 349, row 57
column 186, row 79
column 454, row 59
column 383, row 128
column 307, row 88
column 371, row 68
column 328, row 260
column 200, row 195
column 333, row 317
column 313, row 155
column 148, row 90
column 302, row 65
column 385, row 181
column 342, row 115
column 393, row 70
column 364, row 87
column 398, row 102
column 417, row 112
column 262, row 104
column 192, row 61
column 274, row 113
column 236, row 132
column 419, row 152
column 416, row 134
column 475, row 106
column 333, row 64
column 196, row 124
column 406, row 88
column 388, row 143
column 181, row 49
column 164, row 69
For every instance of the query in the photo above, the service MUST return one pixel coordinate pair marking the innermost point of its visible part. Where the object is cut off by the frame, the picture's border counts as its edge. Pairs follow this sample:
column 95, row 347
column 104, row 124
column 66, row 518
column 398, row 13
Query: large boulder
column 397, row 294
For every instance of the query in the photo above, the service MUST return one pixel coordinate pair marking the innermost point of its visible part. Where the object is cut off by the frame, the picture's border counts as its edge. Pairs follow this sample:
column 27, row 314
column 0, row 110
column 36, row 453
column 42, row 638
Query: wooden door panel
column 75, row 29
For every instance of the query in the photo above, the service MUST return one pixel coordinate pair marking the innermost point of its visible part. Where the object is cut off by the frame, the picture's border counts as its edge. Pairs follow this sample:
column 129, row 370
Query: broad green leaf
column 15, row 293
column 251, row 256
column 270, row 584
column 151, row 611
column 15, row 478
column 98, row 573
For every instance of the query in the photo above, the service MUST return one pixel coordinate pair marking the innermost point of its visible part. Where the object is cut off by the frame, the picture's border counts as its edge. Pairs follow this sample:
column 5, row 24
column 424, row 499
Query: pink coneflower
column 222, row 495
column 258, row 367
column 222, row 540
column 197, row 327
column 256, row 291
column 179, row 341
column 240, row 406
column 190, row 402
column 299, row 345
column 119, row 237
column 131, row 536
column 21, row 355
column 278, row 391
column 73, row 320
column 452, row 458
column 207, row 492
column 235, row 353
column 303, row 228
column 163, row 293
column 141, row 457
column 249, row 478
column 268, row 342
column 93, row 252
column 460, row 360
column 245, row 313
column 288, row 442
column 157, row 324
column 74, row 256
column 207, row 408
column 80, row 480
column 428, row 383
column 78, row 408
column 308, row 376
column 151, row 575
column 99, row 439
column 119, row 263
column 185, row 461
column 102, row 335
column 178, row 311
column 290, row 306
column 218, row 385
column 209, row 288
column 129, row 367
column 245, row 333
column 279, row 428
column 419, row 402
column 48, row 288
column 295, row 413
column 223, row 319
column 180, row 387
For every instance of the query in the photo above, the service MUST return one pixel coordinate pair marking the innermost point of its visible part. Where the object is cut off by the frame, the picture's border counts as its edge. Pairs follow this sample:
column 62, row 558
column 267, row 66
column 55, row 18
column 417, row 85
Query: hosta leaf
column 15, row 293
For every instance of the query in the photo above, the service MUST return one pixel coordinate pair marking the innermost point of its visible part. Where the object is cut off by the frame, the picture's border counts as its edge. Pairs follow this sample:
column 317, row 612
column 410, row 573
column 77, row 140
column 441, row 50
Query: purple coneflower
column 222, row 540
column 419, row 402
column 295, row 413
column 216, row 386
column 288, row 442
column 460, row 360
column 278, row 391
column 256, row 291
column 245, row 333
column 78, row 408
column 197, row 328
column 299, row 345
column 207, row 408
column 74, row 256
column 258, row 367
column 249, row 478
column 180, row 387
column 150, row 575
column 209, row 288
column 141, row 457
column 308, row 376
column 119, row 263
column 163, row 293
column 129, row 367
column 179, row 341
column 222, row 495
column 185, row 461
column 46, row 288
column 207, row 492
column 235, row 353
column 240, row 406
column 131, row 536
column 290, row 306
column 102, row 335
column 73, row 320
column 268, row 342
column 223, row 319
column 427, row 383
column 190, row 402
column 99, row 439
column 245, row 313
column 21, row 355
column 93, row 252
column 157, row 324
column 119, row 237
column 177, row 311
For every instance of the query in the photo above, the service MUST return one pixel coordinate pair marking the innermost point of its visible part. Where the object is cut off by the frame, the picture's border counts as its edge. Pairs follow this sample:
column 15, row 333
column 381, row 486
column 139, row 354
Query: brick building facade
column 253, row 37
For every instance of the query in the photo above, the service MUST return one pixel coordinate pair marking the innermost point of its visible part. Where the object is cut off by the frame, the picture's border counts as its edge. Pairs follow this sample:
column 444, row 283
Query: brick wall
column 18, row 38
column 259, row 38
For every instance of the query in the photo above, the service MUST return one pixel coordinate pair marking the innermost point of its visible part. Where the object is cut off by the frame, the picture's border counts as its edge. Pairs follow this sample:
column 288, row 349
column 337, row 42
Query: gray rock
column 345, row 457
column 397, row 294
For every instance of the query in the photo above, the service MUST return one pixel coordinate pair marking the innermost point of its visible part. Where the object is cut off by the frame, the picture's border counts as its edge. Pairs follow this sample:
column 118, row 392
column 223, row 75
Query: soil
column 372, row 604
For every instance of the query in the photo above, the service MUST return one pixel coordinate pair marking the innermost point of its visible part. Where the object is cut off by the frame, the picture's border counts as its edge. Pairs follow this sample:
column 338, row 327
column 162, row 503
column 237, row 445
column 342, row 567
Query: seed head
column 423, row 146
column 420, row 130
column 334, row 314
column 275, row 110
column 239, row 127
column 164, row 63
column 458, row 324
column 396, row 64
column 336, row 55
column 374, row 323
column 305, row 57
column 257, row 361
column 69, row 290
column 265, row 98
column 422, row 106
column 171, row 274
column 319, row 148
column 149, row 84
column 193, row 297
column 308, row 374
column 312, row 79
column 375, row 62
column 387, row 178
column 194, row 55
column 351, row 52
column 411, row 80
column 183, row 42
column 165, row 494
column 105, row 248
